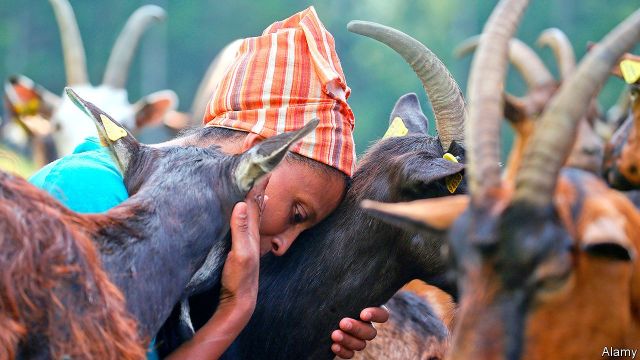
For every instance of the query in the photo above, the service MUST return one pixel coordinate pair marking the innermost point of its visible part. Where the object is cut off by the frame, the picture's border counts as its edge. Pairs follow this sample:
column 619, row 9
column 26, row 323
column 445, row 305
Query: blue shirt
column 87, row 181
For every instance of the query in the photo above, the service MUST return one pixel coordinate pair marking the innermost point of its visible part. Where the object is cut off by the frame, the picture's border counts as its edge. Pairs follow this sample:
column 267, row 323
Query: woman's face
column 299, row 196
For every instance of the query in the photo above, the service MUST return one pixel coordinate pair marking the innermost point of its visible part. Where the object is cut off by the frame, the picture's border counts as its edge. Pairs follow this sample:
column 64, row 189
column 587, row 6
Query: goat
column 545, row 270
column 621, row 164
column 111, row 95
column 56, row 300
column 28, row 129
column 418, row 327
column 350, row 261
column 588, row 150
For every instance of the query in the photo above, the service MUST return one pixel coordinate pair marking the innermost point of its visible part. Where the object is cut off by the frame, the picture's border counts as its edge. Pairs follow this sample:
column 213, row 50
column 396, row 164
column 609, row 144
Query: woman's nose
column 281, row 243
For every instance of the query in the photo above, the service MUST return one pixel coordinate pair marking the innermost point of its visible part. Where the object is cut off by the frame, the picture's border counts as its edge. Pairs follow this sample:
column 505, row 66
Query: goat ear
column 427, row 214
column 605, row 237
column 24, row 99
column 122, row 145
column 420, row 172
column 152, row 109
column 514, row 109
column 407, row 117
column 266, row 155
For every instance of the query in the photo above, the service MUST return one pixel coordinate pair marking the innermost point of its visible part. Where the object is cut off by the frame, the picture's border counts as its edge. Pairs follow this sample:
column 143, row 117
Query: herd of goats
column 536, row 259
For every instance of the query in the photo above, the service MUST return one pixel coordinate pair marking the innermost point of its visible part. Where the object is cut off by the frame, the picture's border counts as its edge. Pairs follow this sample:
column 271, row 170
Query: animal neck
column 151, row 247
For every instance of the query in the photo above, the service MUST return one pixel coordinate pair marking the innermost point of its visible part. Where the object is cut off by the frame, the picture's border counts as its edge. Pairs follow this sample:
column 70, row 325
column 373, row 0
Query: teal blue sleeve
column 86, row 182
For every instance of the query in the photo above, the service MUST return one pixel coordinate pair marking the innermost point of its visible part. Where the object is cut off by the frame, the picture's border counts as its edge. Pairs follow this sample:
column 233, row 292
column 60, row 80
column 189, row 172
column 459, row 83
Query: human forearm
column 213, row 339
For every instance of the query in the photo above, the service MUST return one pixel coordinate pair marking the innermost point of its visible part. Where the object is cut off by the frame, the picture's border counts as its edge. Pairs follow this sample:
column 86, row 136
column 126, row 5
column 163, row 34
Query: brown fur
column 408, row 335
column 629, row 162
column 588, row 148
column 54, row 296
column 441, row 302
column 599, row 305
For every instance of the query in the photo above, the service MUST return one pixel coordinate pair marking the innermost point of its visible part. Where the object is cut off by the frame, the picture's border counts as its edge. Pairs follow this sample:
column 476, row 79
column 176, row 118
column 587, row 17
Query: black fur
column 346, row 263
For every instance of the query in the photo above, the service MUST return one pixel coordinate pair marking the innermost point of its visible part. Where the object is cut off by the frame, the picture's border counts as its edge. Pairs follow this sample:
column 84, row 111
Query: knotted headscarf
column 283, row 79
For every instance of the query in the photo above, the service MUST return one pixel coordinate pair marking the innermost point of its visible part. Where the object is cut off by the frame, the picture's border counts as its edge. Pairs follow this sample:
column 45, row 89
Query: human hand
column 240, row 272
column 239, row 283
column 353, row 334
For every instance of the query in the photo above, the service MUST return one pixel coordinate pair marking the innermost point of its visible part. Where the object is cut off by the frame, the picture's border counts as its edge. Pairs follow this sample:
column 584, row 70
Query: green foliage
column 176, row 54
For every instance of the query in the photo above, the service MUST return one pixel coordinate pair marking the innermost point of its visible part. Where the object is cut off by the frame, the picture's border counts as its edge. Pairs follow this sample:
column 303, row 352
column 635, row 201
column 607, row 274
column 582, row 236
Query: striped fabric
column 281, row 80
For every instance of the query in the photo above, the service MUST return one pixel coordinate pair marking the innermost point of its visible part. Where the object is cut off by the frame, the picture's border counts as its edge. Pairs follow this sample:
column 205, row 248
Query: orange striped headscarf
column 283, row 79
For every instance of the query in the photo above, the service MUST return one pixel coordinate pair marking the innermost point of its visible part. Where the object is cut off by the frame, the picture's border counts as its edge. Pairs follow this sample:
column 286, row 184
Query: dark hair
column 212, row 132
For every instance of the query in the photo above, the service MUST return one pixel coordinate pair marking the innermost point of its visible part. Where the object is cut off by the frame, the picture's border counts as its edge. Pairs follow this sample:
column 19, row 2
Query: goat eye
column 552, row 283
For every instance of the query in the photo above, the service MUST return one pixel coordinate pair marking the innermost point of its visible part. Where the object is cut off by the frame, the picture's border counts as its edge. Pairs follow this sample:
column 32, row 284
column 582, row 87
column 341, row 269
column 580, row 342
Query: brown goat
column 545, row 270
column 622, row 153
column 55, row 299
column 420, row 319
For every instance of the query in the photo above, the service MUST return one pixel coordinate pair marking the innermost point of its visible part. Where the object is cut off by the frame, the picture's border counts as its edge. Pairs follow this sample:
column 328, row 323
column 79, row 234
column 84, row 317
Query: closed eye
column 298, row 214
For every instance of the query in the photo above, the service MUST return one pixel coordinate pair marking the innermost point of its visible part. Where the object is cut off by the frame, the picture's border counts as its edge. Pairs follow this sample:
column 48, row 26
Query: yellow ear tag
column 630, row 71
column 452, row 181
column 114, row 132
column 396, row 129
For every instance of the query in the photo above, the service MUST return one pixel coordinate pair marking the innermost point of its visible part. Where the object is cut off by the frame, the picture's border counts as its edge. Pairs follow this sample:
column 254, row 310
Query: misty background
column 175, row 54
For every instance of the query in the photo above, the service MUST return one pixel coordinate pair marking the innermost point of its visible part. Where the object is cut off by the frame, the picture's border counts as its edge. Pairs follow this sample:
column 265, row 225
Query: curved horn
column 211, row 79
column 552, row 143
column 523, row 58
column 485, row 95
column 443, row 92
column 562, row 50
column 117, row 69
column 75, row 63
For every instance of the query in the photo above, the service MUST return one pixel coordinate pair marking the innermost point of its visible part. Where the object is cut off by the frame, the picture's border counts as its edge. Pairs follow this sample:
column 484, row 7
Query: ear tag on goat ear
column 114, row 132
column 396, row 129
column 452, row 181
column 630, row 71
column 27, row 108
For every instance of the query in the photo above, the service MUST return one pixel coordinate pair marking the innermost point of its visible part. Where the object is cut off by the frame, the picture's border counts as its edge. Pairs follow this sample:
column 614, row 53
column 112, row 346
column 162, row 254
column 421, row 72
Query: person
column 277, row 82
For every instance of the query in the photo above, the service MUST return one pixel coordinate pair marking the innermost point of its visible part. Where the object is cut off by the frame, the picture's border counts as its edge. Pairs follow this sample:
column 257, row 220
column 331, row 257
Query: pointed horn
column 485, row 95
column 552, row 143
column 443, row 92
column 117, row 69
column 75, row 63
column 210, row 81
column 523, row 58
column 562, row 50
column 436, row 213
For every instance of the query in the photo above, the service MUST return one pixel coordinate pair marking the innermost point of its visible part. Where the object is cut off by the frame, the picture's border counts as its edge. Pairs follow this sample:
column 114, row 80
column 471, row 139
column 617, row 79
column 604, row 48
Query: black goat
column 351, row 260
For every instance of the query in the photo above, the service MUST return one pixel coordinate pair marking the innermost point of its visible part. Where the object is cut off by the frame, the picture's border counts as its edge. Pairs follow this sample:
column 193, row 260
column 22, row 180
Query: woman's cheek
column 274, row 218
